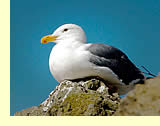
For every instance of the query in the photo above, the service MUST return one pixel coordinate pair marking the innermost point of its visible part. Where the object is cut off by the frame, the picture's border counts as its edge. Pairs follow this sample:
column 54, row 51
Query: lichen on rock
column 92, row 98
column 89, row 98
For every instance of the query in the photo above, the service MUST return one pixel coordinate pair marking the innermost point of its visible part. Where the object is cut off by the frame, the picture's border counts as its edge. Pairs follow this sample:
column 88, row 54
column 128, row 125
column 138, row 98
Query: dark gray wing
column 116, row 60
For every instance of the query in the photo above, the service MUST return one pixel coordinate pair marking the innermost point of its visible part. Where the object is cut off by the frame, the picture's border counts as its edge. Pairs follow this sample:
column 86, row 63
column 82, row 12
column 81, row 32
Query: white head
column 66, row 32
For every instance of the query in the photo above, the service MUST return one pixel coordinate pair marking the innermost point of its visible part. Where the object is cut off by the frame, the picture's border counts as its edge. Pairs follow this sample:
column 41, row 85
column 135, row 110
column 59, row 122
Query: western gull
column 72, row 58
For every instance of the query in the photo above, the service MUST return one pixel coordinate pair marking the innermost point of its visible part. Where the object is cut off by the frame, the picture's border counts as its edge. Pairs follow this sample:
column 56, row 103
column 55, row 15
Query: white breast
column 69, row 63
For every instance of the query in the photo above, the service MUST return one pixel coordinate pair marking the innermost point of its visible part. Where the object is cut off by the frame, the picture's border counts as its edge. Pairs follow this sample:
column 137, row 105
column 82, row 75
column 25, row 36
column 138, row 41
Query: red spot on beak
column 45, row 41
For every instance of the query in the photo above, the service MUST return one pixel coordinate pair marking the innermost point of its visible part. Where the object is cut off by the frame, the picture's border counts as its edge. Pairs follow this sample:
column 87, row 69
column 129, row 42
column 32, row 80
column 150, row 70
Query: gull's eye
column 65, row 30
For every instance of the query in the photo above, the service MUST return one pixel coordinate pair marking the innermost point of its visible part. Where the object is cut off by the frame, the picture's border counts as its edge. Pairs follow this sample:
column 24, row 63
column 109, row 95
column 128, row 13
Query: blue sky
column 130, row 25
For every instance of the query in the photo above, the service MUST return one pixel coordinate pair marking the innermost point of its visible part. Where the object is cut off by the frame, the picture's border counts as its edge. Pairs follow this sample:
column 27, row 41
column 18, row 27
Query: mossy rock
column 85, row 104
column 77, row 98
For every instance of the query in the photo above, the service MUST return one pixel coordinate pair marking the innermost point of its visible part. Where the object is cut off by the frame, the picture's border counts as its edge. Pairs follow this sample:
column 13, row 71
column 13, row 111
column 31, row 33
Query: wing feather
column 111, row 57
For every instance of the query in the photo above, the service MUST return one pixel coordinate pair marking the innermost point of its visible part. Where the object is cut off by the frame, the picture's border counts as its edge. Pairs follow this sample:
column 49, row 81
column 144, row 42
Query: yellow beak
column 48, row 38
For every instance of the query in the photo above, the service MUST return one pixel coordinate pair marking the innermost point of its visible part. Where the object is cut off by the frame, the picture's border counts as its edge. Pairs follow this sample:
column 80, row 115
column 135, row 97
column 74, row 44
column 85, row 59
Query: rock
column 144, row 100
column 83, row 98
column 32, row 111
column 92, row 98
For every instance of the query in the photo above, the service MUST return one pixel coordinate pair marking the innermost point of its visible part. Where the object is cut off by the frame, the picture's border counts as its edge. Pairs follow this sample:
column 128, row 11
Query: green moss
column 77, row 104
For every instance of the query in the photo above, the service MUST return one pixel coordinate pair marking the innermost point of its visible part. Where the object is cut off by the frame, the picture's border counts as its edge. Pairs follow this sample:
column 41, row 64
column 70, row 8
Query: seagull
column 72, row 58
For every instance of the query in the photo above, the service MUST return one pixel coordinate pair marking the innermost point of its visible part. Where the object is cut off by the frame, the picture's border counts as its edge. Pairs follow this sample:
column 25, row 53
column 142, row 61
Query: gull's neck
column 70, row 44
